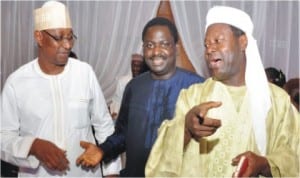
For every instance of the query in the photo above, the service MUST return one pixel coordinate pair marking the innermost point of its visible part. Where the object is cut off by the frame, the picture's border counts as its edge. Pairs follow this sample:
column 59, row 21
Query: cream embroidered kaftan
column 213, row 155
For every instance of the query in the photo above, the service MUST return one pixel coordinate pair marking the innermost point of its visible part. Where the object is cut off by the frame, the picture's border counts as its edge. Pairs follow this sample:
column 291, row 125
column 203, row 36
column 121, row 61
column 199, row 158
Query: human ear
column 243, row 41
column 177, row 48
column 38, row 37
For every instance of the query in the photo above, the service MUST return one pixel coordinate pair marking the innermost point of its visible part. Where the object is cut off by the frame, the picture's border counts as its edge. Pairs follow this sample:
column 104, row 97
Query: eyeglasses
column 70, row 39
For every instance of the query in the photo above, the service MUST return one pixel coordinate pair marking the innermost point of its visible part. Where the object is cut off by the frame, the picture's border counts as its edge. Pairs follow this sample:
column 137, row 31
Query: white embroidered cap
column 137, row 57
column 255, row 77
column 51, row 15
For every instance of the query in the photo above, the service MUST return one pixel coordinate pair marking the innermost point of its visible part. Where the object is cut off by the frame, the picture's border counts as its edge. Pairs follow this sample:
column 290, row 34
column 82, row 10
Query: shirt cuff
column 113, row 167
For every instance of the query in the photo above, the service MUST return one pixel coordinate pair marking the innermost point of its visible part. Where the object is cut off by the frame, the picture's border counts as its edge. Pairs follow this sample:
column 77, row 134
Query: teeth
column 157, row 61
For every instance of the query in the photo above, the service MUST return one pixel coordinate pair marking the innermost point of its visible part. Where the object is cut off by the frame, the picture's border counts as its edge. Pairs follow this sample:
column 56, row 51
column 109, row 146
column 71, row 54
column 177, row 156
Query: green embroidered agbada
column 213, row 155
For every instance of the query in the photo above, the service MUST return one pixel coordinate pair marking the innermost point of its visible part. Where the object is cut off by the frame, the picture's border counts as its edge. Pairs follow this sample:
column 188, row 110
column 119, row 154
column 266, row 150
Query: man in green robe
column 235, row 114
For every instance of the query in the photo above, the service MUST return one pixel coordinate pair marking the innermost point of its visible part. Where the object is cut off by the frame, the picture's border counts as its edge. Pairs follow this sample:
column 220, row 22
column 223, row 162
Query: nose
column 209, row 48
column 67, row 44
column 156, row 50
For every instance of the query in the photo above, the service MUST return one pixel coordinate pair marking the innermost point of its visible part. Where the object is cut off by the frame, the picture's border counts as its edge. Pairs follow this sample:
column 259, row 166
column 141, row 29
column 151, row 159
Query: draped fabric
column 212, row 155
column 110, row 31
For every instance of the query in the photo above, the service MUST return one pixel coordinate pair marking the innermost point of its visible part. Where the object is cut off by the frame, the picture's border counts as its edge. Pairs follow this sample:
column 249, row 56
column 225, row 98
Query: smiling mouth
column 157, row 61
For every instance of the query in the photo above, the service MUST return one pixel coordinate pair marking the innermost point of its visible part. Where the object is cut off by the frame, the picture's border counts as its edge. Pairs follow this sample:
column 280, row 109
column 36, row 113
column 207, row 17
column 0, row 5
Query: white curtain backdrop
column 276, row 29
column 110, row 31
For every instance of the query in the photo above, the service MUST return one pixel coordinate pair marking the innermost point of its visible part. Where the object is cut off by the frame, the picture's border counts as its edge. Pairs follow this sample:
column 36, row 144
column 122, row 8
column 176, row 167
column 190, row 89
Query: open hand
column 91, row 156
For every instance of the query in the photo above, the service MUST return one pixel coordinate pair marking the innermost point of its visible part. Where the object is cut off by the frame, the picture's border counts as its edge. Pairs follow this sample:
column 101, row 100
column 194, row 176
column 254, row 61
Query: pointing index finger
column 210, row 105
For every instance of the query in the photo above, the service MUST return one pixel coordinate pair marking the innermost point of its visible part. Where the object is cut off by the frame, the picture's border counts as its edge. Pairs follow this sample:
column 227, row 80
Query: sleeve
column 168, row 147
column 284, row 139
column 14, row 148
column 116, row 143
column 116, row 99
column 168, row 157
column 102, row 123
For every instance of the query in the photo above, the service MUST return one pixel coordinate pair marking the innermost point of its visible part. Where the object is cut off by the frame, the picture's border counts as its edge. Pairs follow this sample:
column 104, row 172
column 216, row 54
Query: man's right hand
column 91, row 156
column 208, row 125
column 49, row 154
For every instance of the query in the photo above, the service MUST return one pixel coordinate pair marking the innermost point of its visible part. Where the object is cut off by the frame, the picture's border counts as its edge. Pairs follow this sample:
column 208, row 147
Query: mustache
column 157, row 56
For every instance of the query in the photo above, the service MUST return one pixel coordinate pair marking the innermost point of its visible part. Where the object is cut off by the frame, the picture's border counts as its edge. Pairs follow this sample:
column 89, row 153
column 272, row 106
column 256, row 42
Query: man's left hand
column 257, row 165
column 91, row 156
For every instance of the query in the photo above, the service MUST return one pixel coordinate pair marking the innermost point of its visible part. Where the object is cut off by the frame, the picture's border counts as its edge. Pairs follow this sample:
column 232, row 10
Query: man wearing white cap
column 234, row 117
column 51, row 103
column 138, row 66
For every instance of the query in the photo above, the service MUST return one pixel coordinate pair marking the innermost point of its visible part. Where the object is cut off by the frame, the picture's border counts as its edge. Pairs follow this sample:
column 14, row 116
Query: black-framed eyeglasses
column 70, row 39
